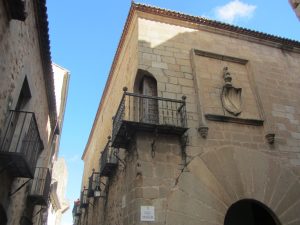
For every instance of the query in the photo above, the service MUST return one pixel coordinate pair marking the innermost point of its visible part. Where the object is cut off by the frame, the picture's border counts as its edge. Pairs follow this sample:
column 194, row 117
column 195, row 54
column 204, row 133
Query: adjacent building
column 58, row 204
column 296, row 7
column 205, row 127
column 29, row 119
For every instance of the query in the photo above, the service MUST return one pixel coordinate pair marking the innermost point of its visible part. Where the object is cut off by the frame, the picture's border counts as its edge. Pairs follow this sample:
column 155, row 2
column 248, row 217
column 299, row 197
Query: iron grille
column 75, row 220
column 76, row 209
column 148, row 112
column 108, row 160
column 84, row 201
column 40, row 187
column 94, row 184
column 21, row 143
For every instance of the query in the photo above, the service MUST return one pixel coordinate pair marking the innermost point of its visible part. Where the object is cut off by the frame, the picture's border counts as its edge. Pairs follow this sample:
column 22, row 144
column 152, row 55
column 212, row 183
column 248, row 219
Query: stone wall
column 269, row 88
column 21, row 57
column 124, row 71
column 234, row 160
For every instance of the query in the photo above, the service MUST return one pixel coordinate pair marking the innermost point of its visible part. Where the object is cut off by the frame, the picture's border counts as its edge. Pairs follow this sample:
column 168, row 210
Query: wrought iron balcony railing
column 94, row 185
column 76, row 209
column 148, row 113
column 20, row 144
column 76, row 220
column 84, row 201
column 40, row 188
column 108, row 160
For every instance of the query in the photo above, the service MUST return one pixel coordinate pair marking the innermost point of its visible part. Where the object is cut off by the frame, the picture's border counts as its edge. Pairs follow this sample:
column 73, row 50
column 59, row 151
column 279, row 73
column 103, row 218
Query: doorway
column 250, row 212
column 148, row 105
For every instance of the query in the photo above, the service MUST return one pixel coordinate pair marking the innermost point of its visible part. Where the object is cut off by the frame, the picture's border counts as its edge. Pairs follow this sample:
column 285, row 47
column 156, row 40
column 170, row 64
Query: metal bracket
column 183, row 144
column 119, row 159
column 42, row 208
column 153, row 144
column 12, row 193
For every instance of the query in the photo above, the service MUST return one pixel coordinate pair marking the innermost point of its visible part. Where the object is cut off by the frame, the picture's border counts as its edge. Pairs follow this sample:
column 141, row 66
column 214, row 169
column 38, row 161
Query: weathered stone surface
column 234, row 161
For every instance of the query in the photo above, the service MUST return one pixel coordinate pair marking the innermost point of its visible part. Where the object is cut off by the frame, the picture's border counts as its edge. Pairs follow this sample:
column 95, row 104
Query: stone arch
column 250, row 212
column 145, row 84
column 140, row 75
column 222, row 176
column 3, row 217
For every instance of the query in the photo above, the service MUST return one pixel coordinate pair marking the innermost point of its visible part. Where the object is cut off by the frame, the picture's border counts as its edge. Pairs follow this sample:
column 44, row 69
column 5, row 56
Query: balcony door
column 12, row 135
column 148, row 106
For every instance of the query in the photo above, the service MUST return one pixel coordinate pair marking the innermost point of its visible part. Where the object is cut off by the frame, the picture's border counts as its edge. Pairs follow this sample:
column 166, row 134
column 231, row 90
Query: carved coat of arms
column 231, row 96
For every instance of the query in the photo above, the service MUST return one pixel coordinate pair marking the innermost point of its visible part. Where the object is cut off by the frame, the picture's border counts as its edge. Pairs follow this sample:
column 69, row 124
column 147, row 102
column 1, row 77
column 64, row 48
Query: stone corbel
column 203, row 130
column 270, row 137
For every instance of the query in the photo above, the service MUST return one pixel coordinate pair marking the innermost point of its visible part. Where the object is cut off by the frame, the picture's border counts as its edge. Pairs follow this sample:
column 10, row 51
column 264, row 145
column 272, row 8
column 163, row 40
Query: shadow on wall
column 3, row 217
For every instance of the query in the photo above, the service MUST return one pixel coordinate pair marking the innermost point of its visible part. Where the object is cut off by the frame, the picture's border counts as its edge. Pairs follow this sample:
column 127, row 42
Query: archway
column 250, row 212
column 3, row 217
column 146, row 86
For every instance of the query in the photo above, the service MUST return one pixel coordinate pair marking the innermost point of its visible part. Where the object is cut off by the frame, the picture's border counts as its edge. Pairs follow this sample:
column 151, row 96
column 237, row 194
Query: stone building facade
column 58, row 204
column 28, row 115
column 206, row 130
column 296, row 7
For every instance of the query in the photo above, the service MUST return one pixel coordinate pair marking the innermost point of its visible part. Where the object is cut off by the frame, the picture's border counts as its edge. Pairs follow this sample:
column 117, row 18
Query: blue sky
column 84, row 36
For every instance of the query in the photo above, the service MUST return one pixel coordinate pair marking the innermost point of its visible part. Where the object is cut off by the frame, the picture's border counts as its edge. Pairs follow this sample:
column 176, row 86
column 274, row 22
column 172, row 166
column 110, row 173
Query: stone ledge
column 228, row 119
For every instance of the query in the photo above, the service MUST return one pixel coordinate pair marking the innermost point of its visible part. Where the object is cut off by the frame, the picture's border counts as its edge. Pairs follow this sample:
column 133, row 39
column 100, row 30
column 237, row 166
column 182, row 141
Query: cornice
column 41, row 18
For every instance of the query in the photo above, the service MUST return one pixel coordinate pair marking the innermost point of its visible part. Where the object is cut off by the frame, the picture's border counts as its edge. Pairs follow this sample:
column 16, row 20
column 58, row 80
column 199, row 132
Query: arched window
column 146, row 86
column 250, row 212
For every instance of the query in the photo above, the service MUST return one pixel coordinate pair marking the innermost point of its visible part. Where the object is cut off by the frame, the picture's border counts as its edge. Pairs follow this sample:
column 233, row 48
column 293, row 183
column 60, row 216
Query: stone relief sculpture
column 231, row 96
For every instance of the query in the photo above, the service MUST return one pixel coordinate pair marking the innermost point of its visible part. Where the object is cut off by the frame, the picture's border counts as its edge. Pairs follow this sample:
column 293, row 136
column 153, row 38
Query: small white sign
column 147, row 213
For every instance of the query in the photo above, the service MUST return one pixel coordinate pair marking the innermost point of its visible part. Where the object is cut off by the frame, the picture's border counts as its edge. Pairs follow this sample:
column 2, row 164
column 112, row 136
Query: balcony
column 138, row 112
column 94, row 185
column 76, row 208
column 108, row 160
column 76, row 212
column 84, row 201
column 20, row 144
column 76, row 220
column 40, row 188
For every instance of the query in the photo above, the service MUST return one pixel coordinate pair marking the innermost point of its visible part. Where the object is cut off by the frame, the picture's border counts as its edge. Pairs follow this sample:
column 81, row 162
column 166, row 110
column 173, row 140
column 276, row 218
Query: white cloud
column 234, row 10
column 74, row 158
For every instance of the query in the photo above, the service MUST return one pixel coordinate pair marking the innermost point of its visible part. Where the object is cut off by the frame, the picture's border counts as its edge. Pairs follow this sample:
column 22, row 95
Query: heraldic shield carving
column 231, row 96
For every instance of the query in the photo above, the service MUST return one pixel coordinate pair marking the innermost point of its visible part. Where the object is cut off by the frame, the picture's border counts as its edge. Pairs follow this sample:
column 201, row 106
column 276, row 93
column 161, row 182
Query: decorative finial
column 125, row 89
column 227, row 77
column 108, row 137
column 183, row 97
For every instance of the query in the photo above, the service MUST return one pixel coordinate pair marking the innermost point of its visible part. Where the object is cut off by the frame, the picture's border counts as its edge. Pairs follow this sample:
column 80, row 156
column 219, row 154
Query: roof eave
column 44, row 43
